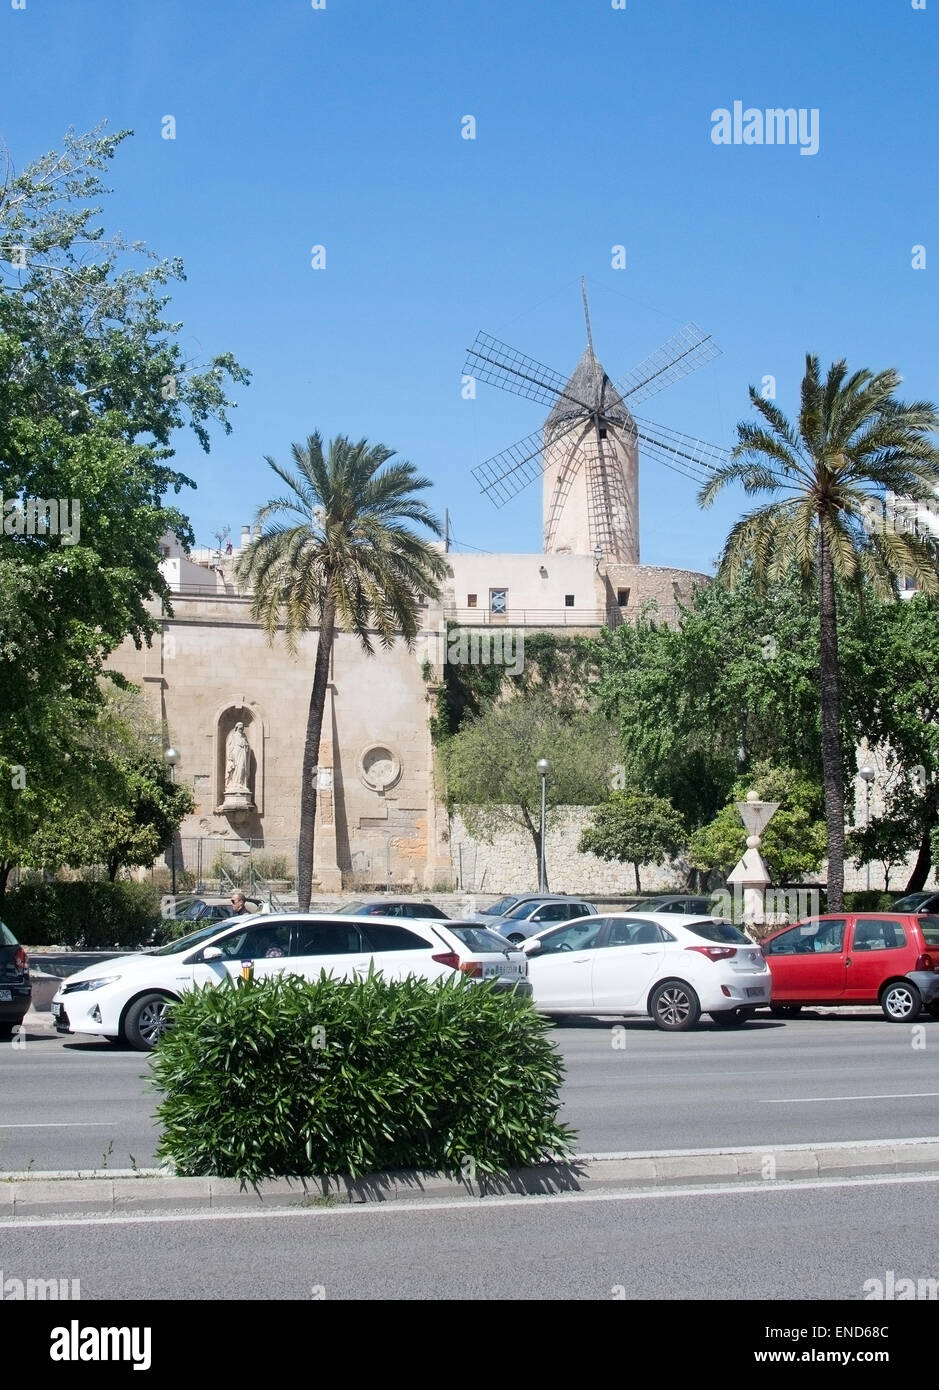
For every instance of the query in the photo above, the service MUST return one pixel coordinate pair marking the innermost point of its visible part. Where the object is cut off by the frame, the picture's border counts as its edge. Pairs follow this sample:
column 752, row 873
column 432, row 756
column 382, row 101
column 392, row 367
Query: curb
column 123, row 1191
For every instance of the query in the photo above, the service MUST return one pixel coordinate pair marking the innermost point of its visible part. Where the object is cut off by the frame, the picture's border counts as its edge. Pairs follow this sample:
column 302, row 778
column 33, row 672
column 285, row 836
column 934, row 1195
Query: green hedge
column 98, row 915
column 295, row 1077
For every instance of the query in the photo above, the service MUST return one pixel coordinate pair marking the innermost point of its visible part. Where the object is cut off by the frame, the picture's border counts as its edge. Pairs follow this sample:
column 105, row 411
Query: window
column 422, row 911
column 575, row 937
column 326, row 939
column 723, row 932
column 622, row 597
column 815, row 936
column 471, row 600
column 878, row 934
column 382, row 938
column 498, row 601
column 626, row 932
column 602, row 432
column 551, row 912
column 568, row 600
column 256, row 943
column 929, row 926
column 480, row 941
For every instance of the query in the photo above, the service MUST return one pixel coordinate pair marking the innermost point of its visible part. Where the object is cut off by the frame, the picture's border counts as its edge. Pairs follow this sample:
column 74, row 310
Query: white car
column 670, row 968
column 127, row 998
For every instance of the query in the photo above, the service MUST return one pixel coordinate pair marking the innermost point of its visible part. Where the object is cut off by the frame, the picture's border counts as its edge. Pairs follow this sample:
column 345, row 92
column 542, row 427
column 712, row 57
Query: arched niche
column 246, row 795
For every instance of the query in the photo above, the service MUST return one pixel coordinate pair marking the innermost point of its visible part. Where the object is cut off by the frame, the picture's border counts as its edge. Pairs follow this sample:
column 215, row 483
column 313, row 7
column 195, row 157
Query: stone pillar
column 751, row 874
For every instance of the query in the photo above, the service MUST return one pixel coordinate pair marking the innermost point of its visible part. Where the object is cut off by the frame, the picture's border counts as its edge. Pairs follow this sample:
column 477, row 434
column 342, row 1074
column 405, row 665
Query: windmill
column 587, row 452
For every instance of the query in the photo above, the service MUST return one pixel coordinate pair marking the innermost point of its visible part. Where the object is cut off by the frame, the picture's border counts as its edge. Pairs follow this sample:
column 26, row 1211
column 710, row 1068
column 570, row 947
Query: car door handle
column 847, row 960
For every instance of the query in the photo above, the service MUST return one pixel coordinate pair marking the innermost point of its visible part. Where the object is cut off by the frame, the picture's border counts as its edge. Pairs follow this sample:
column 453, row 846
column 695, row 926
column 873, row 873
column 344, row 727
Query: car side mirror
column 533, row 949
column 211, row 953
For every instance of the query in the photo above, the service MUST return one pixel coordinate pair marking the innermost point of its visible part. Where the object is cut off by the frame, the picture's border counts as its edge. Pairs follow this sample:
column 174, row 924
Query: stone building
column 235, row 706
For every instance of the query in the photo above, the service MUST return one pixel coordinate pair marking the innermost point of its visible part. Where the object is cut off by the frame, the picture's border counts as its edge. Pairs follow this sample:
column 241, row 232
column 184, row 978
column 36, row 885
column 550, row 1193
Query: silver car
column 522, row 916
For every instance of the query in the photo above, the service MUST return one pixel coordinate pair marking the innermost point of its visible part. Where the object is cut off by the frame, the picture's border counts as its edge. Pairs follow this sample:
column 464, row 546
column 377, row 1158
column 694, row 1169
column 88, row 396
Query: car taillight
column 448, row 958
column 925, row 963
column 21, row 959
column 473, row 968
column 714, row 952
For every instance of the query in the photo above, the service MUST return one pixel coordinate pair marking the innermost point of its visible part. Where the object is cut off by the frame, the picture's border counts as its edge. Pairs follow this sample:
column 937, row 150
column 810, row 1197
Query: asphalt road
column 77, row 1102
column 810, row 1242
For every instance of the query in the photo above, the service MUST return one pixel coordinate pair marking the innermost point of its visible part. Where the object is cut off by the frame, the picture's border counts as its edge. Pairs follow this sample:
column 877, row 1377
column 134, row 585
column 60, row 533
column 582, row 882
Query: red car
column 885, row 958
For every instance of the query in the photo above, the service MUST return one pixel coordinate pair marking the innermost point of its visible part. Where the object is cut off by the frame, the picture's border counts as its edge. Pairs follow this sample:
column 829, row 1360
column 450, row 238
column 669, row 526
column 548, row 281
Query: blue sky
column 342, row 127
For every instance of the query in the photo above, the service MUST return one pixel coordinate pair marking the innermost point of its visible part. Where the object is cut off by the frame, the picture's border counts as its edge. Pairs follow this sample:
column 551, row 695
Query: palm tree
column 853, row 443
column 343, row 555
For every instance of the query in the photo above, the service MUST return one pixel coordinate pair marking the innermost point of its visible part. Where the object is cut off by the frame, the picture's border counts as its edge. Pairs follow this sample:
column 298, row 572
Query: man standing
column 239, row 907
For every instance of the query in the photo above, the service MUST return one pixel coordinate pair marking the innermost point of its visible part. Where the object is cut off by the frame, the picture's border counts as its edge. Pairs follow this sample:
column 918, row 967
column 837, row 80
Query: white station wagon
column 127, row 998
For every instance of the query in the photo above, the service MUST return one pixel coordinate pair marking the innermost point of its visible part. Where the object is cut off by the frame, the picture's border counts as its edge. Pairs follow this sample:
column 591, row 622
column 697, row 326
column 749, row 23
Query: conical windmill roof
column 590, row 384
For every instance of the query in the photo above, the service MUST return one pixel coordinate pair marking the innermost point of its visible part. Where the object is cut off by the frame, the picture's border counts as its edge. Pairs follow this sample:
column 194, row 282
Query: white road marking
column 487, row 1204
column 66, row 1124
column 889, row 1095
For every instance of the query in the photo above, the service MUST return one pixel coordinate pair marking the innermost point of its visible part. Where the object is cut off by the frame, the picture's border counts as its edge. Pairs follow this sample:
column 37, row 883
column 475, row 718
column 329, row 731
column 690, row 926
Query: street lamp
column 868, row 775
column 543, row 767
column 171, row 757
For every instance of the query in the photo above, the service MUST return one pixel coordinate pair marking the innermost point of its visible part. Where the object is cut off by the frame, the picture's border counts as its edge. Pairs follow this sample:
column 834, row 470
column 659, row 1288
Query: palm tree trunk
column 832, row 770
column 311, row 754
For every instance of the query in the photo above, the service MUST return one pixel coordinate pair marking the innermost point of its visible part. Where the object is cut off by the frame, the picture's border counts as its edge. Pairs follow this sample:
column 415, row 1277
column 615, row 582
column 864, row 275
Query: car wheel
column 901, row 1002
column 674, row 1007
column 515, row 938
column 731, row 1018
column 146, row 1021
column 785, row 1010
column 6, row 1030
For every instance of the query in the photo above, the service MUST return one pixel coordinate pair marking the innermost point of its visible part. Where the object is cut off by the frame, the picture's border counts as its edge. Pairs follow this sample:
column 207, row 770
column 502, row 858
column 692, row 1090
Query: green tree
column 635, row 828
column 900, row 677
column 853, row 440
column 93, row 385
column 793, row 843
column 132, row 809
column 344, row 554
column 491, row 772
column 887, row 840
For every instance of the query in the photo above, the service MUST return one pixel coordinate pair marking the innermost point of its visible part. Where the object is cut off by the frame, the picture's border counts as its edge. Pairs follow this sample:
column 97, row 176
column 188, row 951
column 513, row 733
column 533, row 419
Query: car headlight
column 90, row 984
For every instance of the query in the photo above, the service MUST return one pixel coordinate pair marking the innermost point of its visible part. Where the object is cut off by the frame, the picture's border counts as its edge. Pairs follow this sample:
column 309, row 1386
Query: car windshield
column 523, row 910
column 351, row 910
column 191, row 911
column 720, row 931
column 482, row 941
column 500, row 908
column 929, row 926
column 911, row 902
column 173, row 948
column 6, row 936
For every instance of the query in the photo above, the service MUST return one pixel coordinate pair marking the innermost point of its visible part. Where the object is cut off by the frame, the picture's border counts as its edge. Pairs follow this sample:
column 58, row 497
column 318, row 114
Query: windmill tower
column 587, row 453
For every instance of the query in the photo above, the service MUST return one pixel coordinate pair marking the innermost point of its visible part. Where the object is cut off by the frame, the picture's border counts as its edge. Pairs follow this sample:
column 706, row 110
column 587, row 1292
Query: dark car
column 16, row 992
column 885, row 958
column 203, row 911
column 393, row 907
column 918, row 903
column 674, row 902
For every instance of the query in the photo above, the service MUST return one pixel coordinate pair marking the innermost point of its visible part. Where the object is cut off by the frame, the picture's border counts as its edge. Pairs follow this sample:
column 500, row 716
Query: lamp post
column 543, row 767
column 868, row 774
column 171, row 757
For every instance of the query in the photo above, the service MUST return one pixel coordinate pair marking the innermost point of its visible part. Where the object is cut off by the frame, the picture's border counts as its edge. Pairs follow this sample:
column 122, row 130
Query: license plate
column 755, row 993
column 56, row 1010
column 6, row 995
column 490, row 971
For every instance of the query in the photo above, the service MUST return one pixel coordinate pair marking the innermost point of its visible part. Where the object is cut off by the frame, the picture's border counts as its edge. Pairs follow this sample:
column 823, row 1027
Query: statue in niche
column 238, row 795
column 237, row 760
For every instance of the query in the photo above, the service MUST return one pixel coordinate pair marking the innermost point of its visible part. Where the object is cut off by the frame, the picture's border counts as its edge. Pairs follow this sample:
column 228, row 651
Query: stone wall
column 508, row 865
